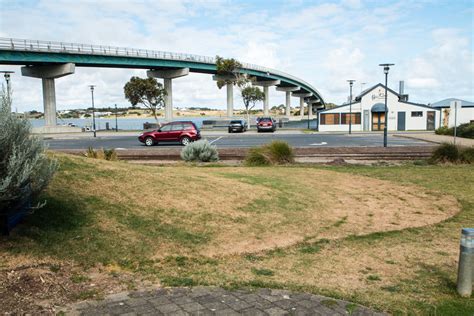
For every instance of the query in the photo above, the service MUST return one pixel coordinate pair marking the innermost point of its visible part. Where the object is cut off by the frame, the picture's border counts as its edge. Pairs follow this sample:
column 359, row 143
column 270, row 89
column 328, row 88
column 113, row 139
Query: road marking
column 319, row 144
column 215, row 140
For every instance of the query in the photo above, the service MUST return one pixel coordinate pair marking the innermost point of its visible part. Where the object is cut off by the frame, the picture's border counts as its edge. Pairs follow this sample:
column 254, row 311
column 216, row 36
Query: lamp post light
column 93, row 109
column 386, row 68
column 351, row 82
column 6, row 74
column 116, row 120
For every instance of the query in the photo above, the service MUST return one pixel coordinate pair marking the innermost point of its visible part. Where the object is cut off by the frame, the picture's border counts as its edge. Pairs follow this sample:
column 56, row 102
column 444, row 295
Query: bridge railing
column 76, row 48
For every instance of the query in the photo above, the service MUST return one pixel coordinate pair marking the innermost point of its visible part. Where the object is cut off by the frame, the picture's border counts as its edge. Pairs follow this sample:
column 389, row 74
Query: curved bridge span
column 50, row 60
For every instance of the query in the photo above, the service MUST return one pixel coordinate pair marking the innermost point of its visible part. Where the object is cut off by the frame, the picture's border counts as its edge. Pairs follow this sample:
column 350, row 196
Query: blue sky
column 322, row 42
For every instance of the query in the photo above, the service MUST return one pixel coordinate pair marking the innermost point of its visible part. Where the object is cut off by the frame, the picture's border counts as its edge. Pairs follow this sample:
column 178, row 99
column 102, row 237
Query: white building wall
column 464, row 115
column 394, row 106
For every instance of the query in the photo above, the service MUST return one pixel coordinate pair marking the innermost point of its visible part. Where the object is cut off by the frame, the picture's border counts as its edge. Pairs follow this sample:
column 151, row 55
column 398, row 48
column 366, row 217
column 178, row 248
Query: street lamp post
column 351, row 82
column 93, row 109
column 116, row 121
column 6, row 74
column 386, row 68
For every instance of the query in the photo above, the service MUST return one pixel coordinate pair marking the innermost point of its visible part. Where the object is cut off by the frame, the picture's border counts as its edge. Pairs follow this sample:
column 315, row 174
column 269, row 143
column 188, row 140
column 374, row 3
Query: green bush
column 200, row 151
column 103, row 154
column 25, row 168
column 443, row 130
column 257, row 157
column 463, row 130
column 276, row 153
column 446, row 152
column 467, row 155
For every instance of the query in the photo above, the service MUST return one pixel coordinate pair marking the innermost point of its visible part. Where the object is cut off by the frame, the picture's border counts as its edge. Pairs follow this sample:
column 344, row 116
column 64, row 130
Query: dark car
column 237, row 126
column 266, row 124
column 182, row 132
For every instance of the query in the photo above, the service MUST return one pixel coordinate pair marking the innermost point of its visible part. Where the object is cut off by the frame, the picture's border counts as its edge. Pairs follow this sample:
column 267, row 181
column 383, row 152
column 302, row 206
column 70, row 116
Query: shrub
column 103, row 154
column 275, row 153
column 257, row 157
column 25, row 169
column 200, row 151
column 467, row 155
column 464, row 130
column 280, row 152
column 445, row 152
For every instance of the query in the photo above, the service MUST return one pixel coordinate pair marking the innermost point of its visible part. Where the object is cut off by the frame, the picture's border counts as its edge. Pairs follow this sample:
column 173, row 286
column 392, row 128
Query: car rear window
column 265, row 119
column 177, row 127
column 235, row 122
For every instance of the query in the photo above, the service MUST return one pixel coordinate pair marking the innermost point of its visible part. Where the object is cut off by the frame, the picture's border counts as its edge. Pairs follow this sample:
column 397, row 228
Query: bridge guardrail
column 76, row 48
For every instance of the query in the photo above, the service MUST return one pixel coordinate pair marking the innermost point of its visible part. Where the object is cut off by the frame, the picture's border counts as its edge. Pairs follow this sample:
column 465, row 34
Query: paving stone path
column 203, row 301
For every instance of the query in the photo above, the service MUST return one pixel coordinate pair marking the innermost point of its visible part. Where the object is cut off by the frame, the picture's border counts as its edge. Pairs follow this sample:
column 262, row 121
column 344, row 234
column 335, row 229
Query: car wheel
column 149, row 141
column 185, row 141
column 230, row 131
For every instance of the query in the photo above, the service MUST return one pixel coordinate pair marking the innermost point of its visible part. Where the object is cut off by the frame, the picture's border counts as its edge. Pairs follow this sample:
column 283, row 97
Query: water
column 137, row 123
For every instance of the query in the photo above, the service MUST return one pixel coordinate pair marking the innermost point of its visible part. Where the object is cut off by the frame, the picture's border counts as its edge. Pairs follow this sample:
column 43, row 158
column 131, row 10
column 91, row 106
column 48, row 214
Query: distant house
column 368, row 113
column 465, row 113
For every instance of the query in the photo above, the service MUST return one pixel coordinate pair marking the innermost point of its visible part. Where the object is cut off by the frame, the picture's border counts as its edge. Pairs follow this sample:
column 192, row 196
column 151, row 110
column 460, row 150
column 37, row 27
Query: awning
column 378, row 107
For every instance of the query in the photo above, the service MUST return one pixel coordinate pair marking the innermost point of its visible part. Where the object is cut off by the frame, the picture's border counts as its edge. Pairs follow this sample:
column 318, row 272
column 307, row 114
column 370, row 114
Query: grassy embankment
column 386, row 237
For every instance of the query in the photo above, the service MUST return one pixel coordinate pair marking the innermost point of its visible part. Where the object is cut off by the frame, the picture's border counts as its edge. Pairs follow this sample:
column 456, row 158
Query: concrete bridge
column 51, row 60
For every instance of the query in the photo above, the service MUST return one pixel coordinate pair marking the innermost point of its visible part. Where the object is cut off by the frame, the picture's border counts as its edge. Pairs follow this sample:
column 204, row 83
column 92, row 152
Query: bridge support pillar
column 301, row 108
column 48, row 73
column 302, row 96
column 167, row 75
column 230, row 92
column 230, row 100
column 288, row 91
column 265, row 84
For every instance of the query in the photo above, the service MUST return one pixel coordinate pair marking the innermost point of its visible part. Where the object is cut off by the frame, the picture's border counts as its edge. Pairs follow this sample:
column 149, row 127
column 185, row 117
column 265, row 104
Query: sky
column 322, row 42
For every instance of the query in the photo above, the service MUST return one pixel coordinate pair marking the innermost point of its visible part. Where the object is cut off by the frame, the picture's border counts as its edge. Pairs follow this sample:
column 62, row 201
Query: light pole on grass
column 351, row 82
column 386, row 68
column 6, row 74
column 116, row 121
column 93, row 109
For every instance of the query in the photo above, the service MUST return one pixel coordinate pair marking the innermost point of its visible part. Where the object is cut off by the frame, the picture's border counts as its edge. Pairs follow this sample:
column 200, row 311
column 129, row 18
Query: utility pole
column 116, row 121
column 386, row 68
column 93, row 109
column 351, row 82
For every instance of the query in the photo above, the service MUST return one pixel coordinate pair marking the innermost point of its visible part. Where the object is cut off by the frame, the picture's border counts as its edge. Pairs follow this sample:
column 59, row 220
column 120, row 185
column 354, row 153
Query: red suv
column 183, row 132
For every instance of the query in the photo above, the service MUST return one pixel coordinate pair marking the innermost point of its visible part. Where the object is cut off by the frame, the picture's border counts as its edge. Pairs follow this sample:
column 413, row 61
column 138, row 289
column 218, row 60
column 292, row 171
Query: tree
column 25, row 169
column 228, row 71
column 251, row 95
column 148, row 92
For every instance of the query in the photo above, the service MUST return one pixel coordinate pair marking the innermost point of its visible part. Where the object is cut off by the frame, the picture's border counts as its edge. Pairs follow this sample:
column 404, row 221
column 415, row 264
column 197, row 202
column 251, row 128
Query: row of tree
column 151, row 94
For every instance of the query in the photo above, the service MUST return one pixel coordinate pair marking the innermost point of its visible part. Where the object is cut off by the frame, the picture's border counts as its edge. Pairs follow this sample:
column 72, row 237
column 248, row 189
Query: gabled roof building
column 368, row 113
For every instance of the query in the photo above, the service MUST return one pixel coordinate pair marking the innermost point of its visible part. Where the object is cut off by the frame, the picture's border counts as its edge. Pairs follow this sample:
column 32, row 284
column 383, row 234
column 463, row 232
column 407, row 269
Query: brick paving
column 203, row 301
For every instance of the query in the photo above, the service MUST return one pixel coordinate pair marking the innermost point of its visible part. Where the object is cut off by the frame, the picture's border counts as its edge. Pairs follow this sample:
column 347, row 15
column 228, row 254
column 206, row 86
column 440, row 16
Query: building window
column 345, row 118
column 417, row 114
column 330, row 119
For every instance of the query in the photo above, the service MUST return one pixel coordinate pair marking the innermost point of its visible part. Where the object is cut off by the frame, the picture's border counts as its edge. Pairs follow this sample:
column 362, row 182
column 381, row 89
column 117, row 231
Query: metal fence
column 13, row 44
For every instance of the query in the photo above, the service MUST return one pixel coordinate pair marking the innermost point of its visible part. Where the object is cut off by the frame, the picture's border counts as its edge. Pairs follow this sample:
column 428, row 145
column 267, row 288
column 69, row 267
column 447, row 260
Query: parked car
column 266, row 124
column 182, row 132
column 237, row 126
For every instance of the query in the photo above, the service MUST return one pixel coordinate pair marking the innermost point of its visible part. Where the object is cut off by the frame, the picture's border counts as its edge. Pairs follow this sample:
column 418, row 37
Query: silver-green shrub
column 200, row 151
column 25, row 169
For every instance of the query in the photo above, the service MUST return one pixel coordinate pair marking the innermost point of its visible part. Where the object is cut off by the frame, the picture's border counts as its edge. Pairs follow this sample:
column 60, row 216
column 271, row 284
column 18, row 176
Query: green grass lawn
column 385, row 237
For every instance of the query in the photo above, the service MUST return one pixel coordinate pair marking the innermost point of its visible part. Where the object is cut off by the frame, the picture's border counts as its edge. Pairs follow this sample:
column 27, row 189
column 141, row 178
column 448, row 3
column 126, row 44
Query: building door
column 430, row 120
column 401, row 121
column 366, row 120
column 378, row 121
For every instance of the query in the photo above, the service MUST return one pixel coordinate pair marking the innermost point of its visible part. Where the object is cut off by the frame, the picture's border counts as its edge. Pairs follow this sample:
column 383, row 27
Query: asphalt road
column 242, row 140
